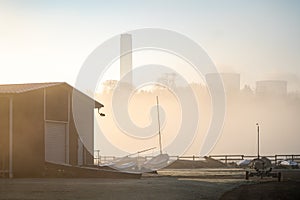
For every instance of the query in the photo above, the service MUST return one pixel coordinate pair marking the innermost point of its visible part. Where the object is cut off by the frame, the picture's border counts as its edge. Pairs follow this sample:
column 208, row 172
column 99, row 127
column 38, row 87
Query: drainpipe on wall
column 10, row 137
column 68, row 130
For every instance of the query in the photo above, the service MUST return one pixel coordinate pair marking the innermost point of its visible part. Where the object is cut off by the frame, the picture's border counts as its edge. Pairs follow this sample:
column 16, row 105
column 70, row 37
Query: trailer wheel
column 247, row 175
column 279, row 176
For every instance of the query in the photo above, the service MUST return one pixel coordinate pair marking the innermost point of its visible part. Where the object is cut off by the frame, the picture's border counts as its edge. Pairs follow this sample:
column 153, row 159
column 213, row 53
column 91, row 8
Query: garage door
column 55, row 142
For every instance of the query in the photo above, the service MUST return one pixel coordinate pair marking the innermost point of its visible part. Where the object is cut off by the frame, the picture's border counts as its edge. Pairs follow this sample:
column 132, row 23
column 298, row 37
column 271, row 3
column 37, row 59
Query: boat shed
column 37, row 128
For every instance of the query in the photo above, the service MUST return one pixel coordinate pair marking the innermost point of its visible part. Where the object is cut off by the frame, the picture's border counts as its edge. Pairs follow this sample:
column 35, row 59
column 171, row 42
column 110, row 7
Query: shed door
column 55, row 142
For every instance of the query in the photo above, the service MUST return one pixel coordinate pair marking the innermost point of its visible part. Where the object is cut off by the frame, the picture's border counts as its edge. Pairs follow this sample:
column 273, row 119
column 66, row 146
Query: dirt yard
column 168, row 184
column 145, row 188
column 288, row 190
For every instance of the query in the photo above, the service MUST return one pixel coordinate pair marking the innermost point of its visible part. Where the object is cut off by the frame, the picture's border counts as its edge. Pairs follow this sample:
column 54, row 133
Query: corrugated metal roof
column 27, row 87
column 20, row 88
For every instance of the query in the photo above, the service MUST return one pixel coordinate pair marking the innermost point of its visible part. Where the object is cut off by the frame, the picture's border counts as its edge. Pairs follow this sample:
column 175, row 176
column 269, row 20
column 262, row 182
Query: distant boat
column 157, row 162
column 124, row 163
column 127, row 161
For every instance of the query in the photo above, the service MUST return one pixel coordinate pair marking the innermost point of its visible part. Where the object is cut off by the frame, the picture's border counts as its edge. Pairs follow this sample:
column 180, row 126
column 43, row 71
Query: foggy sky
column 49, row 40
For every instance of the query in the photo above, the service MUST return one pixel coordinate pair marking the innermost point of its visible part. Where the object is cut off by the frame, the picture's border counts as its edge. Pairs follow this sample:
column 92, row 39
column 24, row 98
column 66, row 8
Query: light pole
column 159, row 134
column 257, row 140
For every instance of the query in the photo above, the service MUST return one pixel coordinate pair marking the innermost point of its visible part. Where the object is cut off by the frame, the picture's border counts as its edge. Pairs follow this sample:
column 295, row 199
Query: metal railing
column 275, row 159
column 98, row 159
column 227, row 159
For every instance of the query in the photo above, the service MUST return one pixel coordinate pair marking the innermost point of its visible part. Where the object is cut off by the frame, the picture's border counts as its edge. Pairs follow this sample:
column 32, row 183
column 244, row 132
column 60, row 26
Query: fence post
column 98, row 152
column 193, row 157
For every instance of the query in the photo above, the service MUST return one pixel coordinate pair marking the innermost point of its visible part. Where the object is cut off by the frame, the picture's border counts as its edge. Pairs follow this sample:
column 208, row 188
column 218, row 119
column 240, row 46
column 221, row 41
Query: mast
column 159, row 134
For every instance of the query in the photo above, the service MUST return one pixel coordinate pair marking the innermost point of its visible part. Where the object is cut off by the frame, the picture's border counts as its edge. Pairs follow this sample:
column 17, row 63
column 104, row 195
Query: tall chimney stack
column 126, row 58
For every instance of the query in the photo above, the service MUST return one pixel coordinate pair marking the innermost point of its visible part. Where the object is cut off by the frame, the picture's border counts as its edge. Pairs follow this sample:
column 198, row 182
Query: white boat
column 124, row 163
column 157, row 162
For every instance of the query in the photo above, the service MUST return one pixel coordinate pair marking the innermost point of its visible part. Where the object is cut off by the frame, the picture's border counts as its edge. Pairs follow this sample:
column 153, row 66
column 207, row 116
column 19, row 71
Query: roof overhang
column 98, row 105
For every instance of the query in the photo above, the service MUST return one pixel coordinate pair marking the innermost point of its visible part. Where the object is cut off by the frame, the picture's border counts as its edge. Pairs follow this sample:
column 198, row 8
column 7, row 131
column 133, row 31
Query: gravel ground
column 145, row 188
column 287, row 190
column 167, row 184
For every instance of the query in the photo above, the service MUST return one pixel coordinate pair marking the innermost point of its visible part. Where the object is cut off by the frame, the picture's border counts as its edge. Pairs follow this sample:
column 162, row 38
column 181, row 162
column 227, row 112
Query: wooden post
column 98, row 157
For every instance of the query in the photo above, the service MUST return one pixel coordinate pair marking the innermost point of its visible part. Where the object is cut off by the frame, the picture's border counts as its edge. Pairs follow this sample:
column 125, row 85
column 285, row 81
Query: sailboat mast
column 159, row 134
